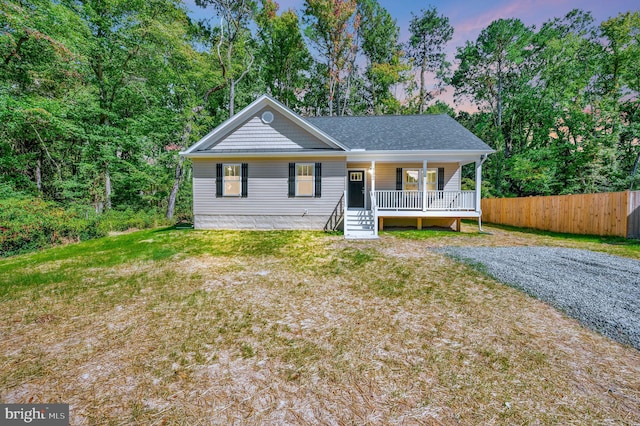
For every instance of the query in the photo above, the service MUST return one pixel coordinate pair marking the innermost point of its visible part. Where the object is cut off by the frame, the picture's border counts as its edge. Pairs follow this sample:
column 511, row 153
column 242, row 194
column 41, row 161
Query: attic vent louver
column 267, row 117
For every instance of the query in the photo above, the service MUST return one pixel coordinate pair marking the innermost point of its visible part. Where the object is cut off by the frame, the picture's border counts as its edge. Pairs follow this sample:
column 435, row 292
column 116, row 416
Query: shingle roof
column 400, row 132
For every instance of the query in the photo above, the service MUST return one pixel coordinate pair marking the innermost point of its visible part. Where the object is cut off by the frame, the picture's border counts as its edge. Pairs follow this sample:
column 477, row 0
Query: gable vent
column 267, row 117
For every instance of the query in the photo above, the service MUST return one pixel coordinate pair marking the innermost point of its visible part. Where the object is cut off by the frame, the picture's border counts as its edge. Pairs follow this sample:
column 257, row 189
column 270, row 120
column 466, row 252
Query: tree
column 39, row 77
column 620, row 81
column 622, row 36
column 283, row 53
column 491, row 71
column 234, row 50
column 429, row 35
column 193, row 78
column 332, row 27
column 385, row 65
column 557, row 104
column 492, row 68
column 123, row 41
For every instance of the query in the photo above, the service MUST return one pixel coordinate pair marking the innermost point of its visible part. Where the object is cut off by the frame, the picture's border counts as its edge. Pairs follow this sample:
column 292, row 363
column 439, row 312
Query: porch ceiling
column 413, row 157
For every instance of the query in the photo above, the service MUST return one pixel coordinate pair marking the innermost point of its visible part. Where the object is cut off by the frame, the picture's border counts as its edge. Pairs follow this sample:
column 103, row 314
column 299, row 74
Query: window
column 304, row 179
column 412, row 179
column 356, row 176
column 232, row 180
column 432, row 179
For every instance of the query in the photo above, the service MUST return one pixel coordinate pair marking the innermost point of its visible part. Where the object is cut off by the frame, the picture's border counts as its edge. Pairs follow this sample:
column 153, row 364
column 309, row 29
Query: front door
column 355, row 190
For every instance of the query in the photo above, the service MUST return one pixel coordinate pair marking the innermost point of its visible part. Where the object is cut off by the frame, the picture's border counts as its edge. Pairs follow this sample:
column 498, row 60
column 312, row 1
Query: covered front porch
column 382, row 192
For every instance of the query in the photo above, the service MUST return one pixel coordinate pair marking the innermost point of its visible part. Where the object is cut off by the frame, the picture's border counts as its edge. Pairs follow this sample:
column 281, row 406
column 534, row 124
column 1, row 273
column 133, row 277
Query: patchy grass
column 500, row 235
column 189, row 327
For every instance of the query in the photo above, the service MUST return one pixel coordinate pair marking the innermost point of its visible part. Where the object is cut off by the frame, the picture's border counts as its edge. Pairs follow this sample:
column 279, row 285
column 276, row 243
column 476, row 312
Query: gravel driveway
column 599, row 290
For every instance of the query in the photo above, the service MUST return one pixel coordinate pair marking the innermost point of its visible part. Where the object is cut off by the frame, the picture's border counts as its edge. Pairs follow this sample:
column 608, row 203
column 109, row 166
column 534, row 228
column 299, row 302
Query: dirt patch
column 326, row 332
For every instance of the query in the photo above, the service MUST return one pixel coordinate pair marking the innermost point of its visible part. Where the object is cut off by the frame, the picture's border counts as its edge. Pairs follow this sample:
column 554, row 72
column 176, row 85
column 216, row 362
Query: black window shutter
column 399, row 179
column 440, row 178
column 292, row 179
column 245, row 180
column 219, row 180
column 318, row 191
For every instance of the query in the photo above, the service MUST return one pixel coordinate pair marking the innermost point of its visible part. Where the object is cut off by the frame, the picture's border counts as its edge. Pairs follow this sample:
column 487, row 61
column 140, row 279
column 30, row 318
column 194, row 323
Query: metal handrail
column 336, row 216
column 374, row 210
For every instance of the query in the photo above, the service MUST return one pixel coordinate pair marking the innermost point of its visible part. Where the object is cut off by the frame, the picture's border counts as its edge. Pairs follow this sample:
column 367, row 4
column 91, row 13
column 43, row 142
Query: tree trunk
column 232, row 97
column 423, row 71
column 186, row 133
column 174, row 190
column 331, row 94
column 39, row 176
column 499, row 102
column 107, row 189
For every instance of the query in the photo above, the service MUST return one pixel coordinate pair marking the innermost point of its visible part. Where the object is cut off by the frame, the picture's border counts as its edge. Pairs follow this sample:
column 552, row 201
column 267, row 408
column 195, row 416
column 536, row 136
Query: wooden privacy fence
column 610, row 213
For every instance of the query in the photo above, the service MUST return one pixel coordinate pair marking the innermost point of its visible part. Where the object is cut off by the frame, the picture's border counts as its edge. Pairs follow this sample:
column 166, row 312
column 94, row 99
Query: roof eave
column 379, row 155
column 279, row 154
column 402, row 155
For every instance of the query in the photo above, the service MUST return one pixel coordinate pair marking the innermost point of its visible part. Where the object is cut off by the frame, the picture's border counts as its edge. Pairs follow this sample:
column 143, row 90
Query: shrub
column 118, row 221
column 28, row 224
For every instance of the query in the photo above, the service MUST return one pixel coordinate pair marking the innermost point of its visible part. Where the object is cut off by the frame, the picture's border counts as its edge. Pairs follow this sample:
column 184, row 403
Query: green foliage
column 534, row 172
column 284, row 54
column 487, row 189
column 440, row 107
column 30, row 224
column 119, row 221
column 98, row 97
column 430, row 33
column 556, row 104
column 332, row 27
column 386, row 64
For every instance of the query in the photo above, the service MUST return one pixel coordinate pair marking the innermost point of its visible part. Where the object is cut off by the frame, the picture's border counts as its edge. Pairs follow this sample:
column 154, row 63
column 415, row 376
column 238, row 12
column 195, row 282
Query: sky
column 468, row 18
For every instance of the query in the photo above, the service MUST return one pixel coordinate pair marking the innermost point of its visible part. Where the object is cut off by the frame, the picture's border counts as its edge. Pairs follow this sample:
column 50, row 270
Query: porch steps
column 359, row 225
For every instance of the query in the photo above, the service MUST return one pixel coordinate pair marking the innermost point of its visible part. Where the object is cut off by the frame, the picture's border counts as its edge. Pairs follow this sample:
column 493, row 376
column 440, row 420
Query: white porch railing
column 434, row 200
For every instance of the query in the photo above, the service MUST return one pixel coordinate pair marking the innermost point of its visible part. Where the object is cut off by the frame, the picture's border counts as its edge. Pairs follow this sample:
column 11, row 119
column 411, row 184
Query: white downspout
column 373, row 176
column 424, row 185
column 483, row 158
column 372, row 197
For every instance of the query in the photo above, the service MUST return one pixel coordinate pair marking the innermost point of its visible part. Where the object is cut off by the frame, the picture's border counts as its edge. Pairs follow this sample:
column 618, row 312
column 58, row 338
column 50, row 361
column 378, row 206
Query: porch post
column 373, row 189
column 373, row 175
column 424, row 185
column 478, row 184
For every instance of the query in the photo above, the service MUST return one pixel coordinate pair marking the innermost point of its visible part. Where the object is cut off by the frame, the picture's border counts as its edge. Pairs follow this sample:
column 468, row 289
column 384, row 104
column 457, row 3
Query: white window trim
column 404, row 178
column 435, row 170
column 420, row 177
column 313, row 180
column 224, row 179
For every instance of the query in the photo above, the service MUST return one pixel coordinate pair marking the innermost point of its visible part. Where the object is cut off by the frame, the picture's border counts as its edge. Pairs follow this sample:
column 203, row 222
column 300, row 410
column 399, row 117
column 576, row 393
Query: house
column 269, row 168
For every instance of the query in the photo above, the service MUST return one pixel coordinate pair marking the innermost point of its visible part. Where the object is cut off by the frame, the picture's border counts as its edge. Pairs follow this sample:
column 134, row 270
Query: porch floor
column 427, row 213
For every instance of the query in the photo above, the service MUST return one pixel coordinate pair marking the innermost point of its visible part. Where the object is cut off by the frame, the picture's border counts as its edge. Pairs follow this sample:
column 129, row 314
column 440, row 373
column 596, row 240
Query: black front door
column 356, row 189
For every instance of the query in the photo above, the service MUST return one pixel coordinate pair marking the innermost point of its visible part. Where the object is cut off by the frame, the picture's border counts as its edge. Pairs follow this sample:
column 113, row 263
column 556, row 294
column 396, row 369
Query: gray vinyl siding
column 386, row 174
column 282, row 133
column 267, row 189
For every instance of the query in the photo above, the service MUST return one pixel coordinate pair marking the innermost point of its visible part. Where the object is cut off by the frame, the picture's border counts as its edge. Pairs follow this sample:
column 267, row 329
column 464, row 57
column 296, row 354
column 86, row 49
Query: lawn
column 203, row 327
